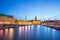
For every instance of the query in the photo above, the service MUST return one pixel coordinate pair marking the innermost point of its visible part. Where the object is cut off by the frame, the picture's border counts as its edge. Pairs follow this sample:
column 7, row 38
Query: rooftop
column 6, row 15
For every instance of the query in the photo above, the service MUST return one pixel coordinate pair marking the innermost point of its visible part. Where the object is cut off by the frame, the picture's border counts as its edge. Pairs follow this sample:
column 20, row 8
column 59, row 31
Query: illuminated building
column 6, row 19
column 28, row 22
column 36, row 21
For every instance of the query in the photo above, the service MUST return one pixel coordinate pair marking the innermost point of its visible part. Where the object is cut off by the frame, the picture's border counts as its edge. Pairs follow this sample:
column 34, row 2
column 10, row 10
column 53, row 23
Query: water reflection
column 1, row 34
column 31, row 27
column 21, row 32
column 24, row 31
column 45, row 33
column 28, row 32
column 53, row 34
column 38, row 32
column 11, row 33
column 33, row 32
column 26, row 28
column 6, row 34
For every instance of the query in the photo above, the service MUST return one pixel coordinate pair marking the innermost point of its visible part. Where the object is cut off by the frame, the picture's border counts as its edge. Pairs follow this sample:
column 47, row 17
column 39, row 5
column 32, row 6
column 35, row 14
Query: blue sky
column 43, row 9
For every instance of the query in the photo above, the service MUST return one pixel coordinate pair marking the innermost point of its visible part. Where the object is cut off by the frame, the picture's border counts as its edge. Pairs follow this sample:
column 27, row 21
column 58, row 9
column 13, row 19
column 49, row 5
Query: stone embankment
column 54, row 26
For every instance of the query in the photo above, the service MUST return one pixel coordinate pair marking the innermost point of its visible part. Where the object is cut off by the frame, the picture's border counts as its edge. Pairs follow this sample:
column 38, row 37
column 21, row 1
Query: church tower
column 35, row 17
column 25, row 18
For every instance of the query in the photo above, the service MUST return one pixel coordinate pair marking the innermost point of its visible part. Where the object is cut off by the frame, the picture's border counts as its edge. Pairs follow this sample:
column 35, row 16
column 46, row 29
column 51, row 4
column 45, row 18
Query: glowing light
column 26, row 28
column 32, row 26
column 53, row 34
column 6, row 33
column 11, row 33
column 53, row 30
column 1, row 34
column 38, row 30
column 20, row 30
column 38, row 27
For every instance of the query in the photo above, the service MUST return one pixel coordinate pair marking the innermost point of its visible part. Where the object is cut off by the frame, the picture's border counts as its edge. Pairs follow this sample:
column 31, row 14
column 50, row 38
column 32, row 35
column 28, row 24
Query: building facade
column 6, row 19
column 29, row 22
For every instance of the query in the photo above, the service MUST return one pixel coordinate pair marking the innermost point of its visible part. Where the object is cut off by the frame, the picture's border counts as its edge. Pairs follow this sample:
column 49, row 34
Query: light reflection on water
column 53, row 34
column 38, row 30
column 6, row 34
column 1, row 34
column 33, row 32
column 11, row 33
column 26, row 29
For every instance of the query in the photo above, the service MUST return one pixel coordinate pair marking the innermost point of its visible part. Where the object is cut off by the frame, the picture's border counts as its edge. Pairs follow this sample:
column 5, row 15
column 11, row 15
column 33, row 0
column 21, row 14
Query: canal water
column 34, row 32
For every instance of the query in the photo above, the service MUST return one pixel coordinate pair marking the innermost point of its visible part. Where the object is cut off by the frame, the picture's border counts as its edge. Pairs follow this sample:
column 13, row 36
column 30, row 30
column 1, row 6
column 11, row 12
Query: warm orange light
column 11, row 33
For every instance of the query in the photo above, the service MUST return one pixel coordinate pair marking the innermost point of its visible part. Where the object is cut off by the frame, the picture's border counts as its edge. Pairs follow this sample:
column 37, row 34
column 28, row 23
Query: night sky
column 43, row 9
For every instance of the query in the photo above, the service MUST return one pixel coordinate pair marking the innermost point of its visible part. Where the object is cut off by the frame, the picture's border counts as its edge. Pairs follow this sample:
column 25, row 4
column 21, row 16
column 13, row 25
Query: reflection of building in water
column 38, row 31
column 1, row 34
column 53, row 34
column 6, row 34
column 28, row 22
column 6, row 19
column 21, row 30
column 11, row 33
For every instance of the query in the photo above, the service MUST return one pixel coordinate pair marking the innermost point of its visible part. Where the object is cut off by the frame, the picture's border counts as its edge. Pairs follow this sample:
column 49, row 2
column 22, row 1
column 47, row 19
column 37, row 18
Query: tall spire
column 25, row 18
column 35, row 17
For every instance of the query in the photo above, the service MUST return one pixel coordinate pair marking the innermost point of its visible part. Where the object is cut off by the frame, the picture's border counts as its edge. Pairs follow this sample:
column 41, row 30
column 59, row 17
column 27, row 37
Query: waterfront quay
column 7, row 21
column 52, row 24
column 57, row 27
column 5, row 26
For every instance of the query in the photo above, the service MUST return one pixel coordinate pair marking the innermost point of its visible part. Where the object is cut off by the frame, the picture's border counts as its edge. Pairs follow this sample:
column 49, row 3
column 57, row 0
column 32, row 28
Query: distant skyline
column 43, row 9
